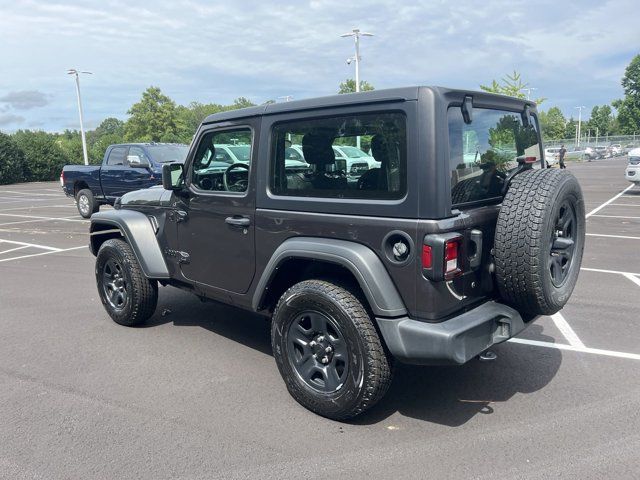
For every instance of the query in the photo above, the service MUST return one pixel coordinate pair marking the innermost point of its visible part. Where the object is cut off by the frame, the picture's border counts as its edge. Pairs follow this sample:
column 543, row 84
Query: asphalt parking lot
column 196, row 393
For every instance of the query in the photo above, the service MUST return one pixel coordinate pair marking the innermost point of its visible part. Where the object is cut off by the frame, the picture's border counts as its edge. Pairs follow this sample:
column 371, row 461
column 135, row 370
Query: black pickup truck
column 125, row 167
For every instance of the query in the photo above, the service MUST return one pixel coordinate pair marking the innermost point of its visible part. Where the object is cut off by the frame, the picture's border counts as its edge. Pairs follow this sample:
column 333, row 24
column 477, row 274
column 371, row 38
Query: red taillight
column 451, row 258
column 530, row 159
column 427, row 259
column 62, row 178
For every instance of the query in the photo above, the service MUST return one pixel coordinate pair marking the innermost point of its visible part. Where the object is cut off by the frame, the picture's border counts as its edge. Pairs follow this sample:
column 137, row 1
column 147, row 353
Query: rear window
column 483, row 152
column 168, row 153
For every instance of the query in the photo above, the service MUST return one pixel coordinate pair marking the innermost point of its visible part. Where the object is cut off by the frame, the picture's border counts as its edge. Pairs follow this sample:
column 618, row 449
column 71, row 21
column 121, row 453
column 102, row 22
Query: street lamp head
column 72, row 71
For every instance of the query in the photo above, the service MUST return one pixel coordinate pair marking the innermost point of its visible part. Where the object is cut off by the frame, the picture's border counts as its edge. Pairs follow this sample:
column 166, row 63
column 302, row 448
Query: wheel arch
column 136, row 229
column 79, row 185
column 306, row 257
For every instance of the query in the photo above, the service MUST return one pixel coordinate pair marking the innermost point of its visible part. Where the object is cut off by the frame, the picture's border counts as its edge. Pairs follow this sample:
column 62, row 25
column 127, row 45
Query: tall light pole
column 73, row 71
column 528, row 90
column 579, row 122
column 356, row 34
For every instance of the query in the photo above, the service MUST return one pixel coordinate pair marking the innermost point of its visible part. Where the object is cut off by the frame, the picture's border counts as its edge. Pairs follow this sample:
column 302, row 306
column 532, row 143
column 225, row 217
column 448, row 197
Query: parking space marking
column 616, row 216
column 611, row 200
column 624, row 204
column 59, row 250
column 566, row 330
column 611, row 236
column 35, row 245
column 633, row 278
column 64, row 219
column 562, row 346
column 600, row 270
column 27, row 192
column 40, row 220
column 67, row 205
column 13, row 249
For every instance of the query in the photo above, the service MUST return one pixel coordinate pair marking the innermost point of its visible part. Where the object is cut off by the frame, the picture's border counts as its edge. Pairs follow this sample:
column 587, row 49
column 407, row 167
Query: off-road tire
column 142, row 293
column 526, row 230
column 86, row 203
column 370, row 369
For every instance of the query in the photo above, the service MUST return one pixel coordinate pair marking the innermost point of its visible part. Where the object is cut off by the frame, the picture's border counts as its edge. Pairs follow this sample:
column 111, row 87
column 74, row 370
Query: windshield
column 353, row 152
column 483, row 152
column 168, row 153
column 241, row 152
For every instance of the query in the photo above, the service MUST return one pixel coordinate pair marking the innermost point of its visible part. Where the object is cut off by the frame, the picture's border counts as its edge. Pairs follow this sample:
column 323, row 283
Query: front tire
column 328, row 351
column 86, row 203
column 127, row 295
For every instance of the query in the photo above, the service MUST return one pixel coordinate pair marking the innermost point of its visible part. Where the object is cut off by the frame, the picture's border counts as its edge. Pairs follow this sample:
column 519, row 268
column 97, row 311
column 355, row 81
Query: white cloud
column 206, row 51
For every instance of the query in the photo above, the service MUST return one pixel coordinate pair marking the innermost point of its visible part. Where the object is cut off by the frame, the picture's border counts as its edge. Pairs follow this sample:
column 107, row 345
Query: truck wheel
column 539, row 241
column 328, row 351
column 127, row 295
column 87, row 204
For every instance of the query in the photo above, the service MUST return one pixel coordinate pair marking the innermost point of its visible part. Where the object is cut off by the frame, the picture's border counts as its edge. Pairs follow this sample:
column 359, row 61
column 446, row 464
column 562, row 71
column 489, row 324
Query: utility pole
column 356, row 34
column 579, row 122
column 73, row 71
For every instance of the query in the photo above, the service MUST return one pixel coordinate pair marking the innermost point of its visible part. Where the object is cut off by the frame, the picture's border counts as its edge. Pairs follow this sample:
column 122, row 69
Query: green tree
column 349, row 86
column 602, row 119
column 153, row 119
column 241, row 102
column 511, row 85
column 553, row 124
column 43, row 155
column 629, row 107
column 11, row 161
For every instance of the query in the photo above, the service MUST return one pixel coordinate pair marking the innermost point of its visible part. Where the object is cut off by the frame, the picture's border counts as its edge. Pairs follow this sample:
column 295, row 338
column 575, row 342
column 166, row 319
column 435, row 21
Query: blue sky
column 574, row 53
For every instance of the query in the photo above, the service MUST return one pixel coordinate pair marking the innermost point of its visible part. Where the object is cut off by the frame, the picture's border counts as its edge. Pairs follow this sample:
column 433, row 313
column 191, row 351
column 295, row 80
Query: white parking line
column 38, row 217
column 616, row 216
column 32, row 193
column 633, row 278
column 39, row 207
column 67, row 219
column 562, row 346
column 566, row 330
column 611, row 236
column 611, row 200
column 35, row 245
column 59, row 250
column 617, row 272
column 624, row 205
column 13, row 249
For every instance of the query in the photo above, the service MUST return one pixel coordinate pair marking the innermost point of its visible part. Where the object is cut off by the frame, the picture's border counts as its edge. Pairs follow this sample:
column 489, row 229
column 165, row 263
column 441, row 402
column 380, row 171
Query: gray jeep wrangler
column 413, row 224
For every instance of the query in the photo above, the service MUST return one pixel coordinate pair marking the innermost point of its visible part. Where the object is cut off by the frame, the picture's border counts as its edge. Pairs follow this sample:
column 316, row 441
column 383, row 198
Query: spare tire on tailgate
column 539, row 241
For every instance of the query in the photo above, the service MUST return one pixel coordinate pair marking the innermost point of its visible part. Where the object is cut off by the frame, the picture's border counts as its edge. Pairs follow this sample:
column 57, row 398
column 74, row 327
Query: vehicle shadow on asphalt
column 453, row 395
column 446, row 395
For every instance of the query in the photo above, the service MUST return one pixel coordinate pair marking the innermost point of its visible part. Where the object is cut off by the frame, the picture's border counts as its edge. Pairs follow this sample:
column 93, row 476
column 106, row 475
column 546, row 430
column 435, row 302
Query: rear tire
column 539, row 241
column 328, row 350
column 128, row 296
column 86, row 203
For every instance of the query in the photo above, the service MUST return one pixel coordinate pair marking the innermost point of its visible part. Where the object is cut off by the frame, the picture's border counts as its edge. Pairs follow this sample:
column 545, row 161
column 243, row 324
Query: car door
column 112, row 172
column 142, row 176
column 216, row 220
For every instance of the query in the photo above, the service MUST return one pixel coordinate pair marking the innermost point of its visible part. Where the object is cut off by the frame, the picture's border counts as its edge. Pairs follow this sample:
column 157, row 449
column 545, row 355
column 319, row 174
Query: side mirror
column 172, row 174
column 137, row 162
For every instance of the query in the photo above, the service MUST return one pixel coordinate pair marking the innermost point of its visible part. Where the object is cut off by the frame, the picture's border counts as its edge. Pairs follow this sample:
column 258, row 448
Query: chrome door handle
column 238, row 221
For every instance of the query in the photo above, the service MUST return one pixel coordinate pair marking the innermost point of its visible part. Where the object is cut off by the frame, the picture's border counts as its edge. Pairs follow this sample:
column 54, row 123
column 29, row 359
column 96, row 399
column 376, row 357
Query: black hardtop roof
column 373, row 96
column 146, row 144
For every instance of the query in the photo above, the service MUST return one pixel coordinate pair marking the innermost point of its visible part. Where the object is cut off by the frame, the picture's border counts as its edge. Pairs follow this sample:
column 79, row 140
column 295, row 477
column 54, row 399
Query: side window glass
column 354, row 156
column 222, row 161
column 117, row 156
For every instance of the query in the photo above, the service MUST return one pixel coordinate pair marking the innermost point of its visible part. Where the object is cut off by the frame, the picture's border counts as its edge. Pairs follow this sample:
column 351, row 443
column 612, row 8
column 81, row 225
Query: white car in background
column 552, row 155
column 633, row 168
column 616, row 149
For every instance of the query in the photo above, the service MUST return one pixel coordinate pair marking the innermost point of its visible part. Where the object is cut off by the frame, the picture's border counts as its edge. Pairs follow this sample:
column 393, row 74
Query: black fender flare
column 136, row 228
column 360, row 260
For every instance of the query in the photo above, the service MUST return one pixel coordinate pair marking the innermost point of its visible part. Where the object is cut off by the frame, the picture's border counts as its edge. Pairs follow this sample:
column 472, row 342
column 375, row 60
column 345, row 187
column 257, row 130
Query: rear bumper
column 454, row 341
